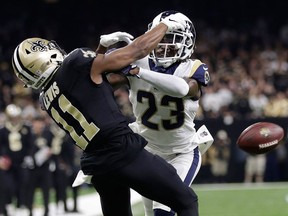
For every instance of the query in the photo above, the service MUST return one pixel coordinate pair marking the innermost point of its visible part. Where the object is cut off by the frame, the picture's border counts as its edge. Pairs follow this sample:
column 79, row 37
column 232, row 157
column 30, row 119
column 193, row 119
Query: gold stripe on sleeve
column 196, row 64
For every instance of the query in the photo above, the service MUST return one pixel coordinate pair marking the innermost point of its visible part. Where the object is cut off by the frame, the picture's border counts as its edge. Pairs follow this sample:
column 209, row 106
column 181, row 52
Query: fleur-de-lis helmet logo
column 38, row 46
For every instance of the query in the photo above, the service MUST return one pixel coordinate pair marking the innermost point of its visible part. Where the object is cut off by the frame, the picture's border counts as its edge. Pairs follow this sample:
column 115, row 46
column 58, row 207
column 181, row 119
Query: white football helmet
column 35, row 60
column 176, row 45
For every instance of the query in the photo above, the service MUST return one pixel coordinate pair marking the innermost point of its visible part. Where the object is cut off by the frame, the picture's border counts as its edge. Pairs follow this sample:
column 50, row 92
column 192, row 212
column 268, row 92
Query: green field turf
column 267, row 199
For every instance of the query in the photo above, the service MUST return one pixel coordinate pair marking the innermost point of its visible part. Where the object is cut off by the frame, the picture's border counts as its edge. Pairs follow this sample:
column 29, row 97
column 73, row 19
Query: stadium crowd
column 248, row 65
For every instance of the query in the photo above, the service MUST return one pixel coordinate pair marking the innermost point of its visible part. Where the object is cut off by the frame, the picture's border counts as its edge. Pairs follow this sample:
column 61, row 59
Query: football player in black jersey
column 15, row 144
column 40, row 175
column 78, row 97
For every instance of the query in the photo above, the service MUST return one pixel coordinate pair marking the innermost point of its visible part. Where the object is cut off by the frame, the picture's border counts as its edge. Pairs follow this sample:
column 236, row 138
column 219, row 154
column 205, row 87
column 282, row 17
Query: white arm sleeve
column 169, row 84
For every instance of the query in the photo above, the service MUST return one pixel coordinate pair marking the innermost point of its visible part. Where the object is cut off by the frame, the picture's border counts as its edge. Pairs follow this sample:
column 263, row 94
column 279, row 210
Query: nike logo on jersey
column 205, row 68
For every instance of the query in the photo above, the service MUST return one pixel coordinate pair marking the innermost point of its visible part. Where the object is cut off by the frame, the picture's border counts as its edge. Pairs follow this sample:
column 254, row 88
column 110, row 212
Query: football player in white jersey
column 165, row 106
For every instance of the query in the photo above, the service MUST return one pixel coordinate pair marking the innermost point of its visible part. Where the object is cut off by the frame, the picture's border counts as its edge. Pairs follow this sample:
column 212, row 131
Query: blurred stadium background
column 245, row 45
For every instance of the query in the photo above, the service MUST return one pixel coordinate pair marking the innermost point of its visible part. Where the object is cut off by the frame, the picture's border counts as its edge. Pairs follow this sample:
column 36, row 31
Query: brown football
column 260, row 138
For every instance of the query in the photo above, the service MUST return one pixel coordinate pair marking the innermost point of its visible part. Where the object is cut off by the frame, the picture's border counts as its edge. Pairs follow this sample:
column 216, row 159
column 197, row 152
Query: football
column 260, row 138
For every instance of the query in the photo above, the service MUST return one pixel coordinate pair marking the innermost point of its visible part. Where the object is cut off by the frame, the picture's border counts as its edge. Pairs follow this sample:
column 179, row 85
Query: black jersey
column 15, row 142
column 87, row 111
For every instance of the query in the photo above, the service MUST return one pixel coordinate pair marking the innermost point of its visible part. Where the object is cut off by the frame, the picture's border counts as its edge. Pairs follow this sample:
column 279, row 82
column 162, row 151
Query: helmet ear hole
column 54, row 56
column 27, row 51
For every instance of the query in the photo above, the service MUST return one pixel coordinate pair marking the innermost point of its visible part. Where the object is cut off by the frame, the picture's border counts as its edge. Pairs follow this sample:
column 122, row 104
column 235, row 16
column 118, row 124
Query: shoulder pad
column 80, row 57
column 200, row 72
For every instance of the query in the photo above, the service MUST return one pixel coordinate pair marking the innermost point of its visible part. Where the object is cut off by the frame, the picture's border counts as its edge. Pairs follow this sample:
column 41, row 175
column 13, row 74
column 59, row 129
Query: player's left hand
column 110, row 39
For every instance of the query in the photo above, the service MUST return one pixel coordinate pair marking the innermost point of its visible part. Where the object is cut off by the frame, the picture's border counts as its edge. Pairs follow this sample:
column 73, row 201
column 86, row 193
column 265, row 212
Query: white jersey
column 166, row 122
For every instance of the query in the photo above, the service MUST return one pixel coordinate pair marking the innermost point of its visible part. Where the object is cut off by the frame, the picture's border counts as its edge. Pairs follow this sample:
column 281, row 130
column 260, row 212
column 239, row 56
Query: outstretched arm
column 167, row 83
column 138, row 49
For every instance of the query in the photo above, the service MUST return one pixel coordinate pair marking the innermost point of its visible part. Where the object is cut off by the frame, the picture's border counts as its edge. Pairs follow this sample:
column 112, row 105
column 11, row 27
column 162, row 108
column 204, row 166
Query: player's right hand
column 111, row 39
column 174, row 21
column 130, row 70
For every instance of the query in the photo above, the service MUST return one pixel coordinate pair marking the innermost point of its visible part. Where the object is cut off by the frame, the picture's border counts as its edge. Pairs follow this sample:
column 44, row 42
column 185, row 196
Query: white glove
column 174, row 21
column 110, row 39
column 81, row 178
column 205, row 139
